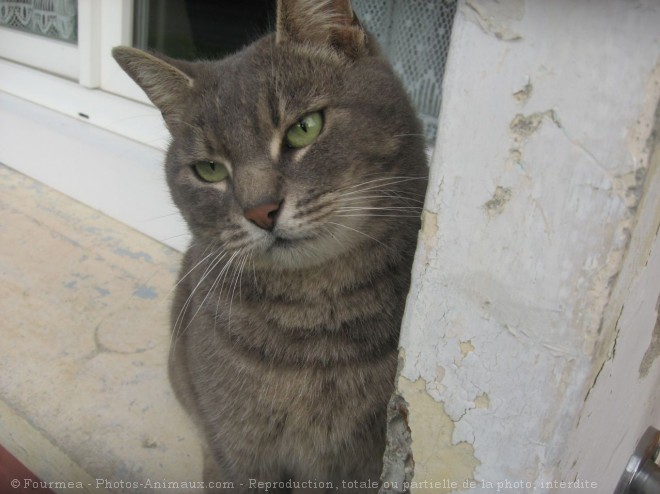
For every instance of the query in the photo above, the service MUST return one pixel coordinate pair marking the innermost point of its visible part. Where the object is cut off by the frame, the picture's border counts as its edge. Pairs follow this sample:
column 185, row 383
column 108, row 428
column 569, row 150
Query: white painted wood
column 624, row 400
column 137, row 121
column 113, row 174
column 56, row 57
column 534, row 191
column 117, row 30
column 90, row 26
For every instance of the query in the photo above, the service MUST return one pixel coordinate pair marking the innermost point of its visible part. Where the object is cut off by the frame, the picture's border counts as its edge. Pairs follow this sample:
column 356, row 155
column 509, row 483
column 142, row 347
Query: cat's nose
column 264, row 215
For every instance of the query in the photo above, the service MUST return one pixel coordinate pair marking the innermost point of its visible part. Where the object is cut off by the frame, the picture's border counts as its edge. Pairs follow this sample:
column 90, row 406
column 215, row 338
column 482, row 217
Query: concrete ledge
column 83, row 354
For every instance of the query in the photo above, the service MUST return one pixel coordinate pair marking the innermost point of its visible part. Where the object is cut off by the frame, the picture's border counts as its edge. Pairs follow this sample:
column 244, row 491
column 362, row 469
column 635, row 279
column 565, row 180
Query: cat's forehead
column 292, row 75
column 264, row 88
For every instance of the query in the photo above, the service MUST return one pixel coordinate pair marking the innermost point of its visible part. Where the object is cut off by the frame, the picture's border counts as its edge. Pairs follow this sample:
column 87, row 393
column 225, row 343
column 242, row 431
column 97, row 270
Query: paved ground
column 83, row 346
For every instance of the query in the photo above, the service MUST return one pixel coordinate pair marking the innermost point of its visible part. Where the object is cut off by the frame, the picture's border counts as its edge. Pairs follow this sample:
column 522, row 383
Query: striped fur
column 284, row 342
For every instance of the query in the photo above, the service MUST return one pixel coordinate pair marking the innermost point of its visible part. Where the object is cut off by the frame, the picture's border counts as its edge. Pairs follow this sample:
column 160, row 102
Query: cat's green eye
column 305, row 130
column 211, row 171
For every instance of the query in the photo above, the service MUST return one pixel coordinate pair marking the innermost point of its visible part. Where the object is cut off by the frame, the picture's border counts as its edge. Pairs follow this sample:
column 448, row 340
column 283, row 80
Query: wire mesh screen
column 52, row 18
column 414, row 34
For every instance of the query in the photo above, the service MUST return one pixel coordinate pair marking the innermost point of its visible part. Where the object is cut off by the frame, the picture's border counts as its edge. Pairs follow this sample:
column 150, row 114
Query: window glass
column 55, row 19
column 192, row 29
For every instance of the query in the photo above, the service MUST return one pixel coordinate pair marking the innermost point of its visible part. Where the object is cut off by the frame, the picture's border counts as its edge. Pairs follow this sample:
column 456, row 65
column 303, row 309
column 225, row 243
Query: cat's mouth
column 282, row 243
column 297, row 250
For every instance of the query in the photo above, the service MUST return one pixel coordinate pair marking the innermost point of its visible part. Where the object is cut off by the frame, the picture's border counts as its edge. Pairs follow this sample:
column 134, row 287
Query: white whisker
column 384, row 208
column 387, row 184
column 233, row 282
column 384, row 196
column 222, row 277
column 177, row 326
column 358, row 231
column 395, row 179
column 377, row 216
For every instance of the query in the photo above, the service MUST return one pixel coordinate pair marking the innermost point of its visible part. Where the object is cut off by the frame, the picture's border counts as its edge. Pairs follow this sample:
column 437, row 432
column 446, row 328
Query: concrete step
column 84, row 303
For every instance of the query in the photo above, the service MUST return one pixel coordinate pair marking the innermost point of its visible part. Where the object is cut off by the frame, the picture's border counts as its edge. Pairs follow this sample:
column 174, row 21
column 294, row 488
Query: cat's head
column 297, row 148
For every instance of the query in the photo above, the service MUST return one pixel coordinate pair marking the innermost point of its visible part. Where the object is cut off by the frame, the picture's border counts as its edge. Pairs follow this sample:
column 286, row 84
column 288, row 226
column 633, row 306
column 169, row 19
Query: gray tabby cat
column 299, row 165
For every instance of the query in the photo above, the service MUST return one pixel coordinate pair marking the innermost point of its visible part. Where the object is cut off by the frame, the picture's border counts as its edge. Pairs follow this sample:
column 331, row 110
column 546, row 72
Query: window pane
column 55, row 19
column 192, row 29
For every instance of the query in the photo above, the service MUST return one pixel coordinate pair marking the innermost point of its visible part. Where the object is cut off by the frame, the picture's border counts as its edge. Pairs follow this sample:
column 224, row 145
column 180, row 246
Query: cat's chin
column 283, row 243
column 281, row 253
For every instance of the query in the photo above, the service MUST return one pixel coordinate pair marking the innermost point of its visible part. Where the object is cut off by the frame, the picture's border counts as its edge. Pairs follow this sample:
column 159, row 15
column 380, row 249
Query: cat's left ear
column 332, row 23
column 167, row 86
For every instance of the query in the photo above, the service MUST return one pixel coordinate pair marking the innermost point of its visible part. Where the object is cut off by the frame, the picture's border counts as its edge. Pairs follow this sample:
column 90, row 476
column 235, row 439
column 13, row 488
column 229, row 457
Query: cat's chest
column 297, row 321
column 292, row 406
column 292, row 302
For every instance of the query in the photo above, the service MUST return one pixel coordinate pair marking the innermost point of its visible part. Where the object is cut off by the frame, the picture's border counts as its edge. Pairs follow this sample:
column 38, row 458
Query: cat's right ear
column 168, row 87
column 330, row 23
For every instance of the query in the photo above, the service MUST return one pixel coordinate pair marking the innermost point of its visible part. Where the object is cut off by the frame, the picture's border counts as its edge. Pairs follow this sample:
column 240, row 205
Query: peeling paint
column 631, row 188
column 643, row 134
column 466, row 348
column 495, row 17
column 437, row 458
column 429, row 228
column 653, row 351
column 496, row 204
column 523, row 126
column 529, row 292
column 482, row 401
column 439, row 373
column 523, row 94
column 653, row 144
column 515, row 160
column 398, row 463
column 625, row 369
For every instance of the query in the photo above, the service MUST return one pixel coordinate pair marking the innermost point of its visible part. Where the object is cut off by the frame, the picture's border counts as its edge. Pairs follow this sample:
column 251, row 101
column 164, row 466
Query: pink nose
column 263, row 216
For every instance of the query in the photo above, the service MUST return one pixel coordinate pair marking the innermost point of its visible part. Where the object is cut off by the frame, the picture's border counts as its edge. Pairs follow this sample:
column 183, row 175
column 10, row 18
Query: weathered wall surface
column 538, row 183
column 624, row 398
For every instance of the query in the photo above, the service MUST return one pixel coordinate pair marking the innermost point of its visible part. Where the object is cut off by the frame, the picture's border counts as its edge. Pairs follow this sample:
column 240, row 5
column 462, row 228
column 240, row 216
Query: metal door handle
column 642, row 474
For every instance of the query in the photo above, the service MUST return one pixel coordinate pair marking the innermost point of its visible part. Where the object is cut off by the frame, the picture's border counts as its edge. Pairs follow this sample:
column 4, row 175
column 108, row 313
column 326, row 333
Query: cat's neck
column 356, row 268
column 349, row 270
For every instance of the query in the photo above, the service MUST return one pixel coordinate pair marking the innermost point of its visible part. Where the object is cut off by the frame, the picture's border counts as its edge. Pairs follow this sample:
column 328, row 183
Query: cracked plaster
column 529, row 286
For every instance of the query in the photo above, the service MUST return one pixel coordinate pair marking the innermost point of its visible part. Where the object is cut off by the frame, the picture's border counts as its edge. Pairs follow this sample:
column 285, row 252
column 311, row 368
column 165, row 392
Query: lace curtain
column 52, row 18
column 414, row 34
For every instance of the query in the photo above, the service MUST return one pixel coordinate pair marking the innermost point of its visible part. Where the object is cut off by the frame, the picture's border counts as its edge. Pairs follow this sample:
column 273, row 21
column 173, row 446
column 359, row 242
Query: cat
column 299, row 165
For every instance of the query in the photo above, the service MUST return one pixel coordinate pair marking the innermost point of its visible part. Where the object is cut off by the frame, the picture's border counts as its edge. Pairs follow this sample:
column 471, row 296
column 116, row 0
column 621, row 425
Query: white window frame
column 118, row 15
column 102, row 25
column 57, row 57
column 72, row 119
